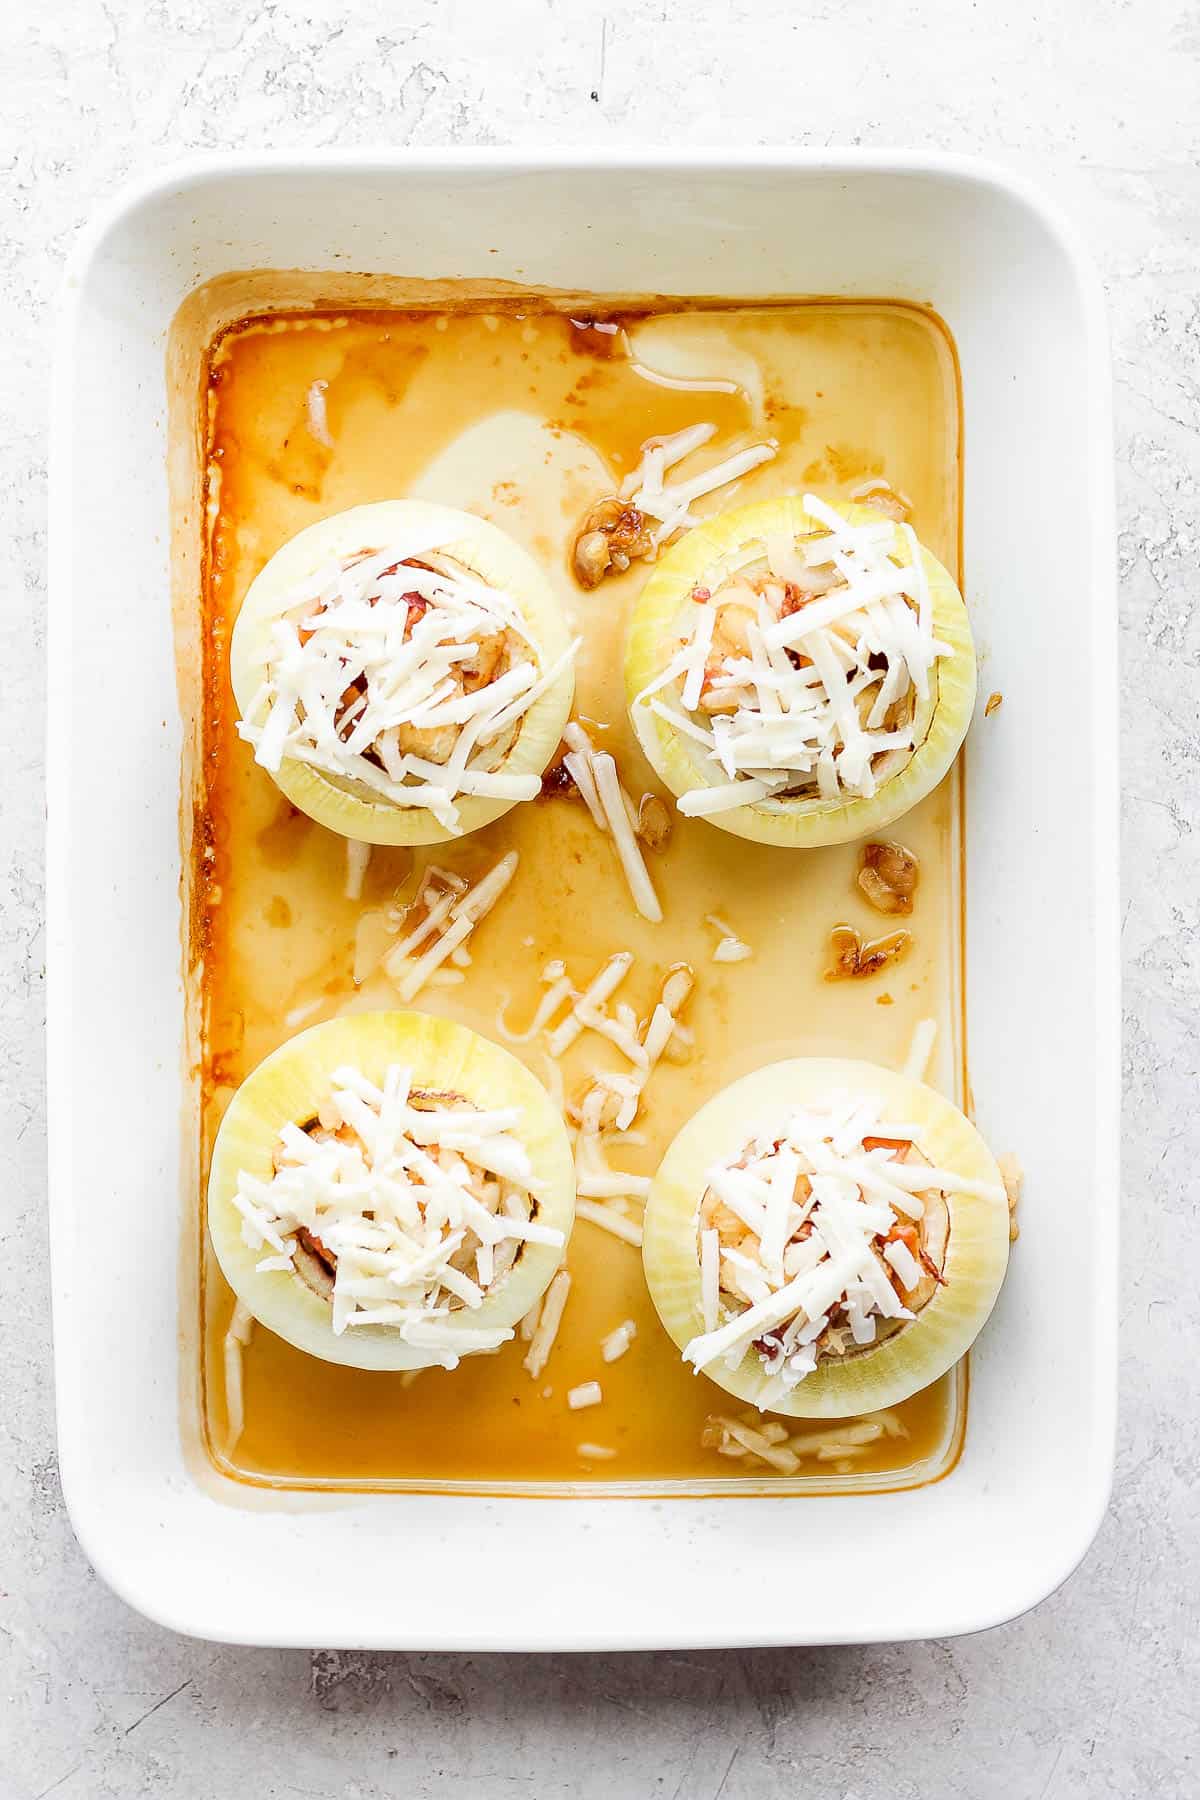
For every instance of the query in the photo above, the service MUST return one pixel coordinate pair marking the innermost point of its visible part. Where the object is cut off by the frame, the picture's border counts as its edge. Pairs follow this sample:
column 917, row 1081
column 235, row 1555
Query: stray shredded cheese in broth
column 610, row 1221
column 916, row 1064
column 405, row 1207
column 670, row 503
column 400, row 671
column 732, row 950
column 730, row 947
column 238, row 1335
column 769, row 1444
column 611, row 1101
column 358, row 856
column 452, row 911
column 598, row 783
column 615, row 1345
column 318, row 415
column 549, row 1320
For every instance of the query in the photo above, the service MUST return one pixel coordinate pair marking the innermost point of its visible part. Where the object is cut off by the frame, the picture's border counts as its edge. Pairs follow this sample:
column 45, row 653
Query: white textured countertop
column 1095, row 1692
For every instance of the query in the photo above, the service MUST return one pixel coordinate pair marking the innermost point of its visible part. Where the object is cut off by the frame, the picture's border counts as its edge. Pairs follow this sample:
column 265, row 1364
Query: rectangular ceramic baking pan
column 213, row 1558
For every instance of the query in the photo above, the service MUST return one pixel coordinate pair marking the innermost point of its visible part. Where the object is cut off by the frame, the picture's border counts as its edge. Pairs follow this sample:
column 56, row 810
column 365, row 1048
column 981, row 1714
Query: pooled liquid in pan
column 528, row 419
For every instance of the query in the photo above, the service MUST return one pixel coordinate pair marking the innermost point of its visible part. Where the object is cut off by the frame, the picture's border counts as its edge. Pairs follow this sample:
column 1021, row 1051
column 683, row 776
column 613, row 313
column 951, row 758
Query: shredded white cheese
column 451, row 915
column 805, row 678
column 238, row 1335
column 611, row 1184
column 770, row 1444
column 549, row 1320
column 1013, row 1177
column 420, row 1206
column 550, row 1003
column 786, row 1461
column 686, row 384
column 882, row 494
column 241, row 1323
column 732, row 950
column 615, row 1345
column 916, row 1063
column 801, row 1233
column 836, row 1439
column 905, row 1264
column 730, row 947
column 608, row 1220
column 357, row 857
column 595, row 775
column 710, row 1278
column 670, row 503
column 300, row 1015
column 614, row 803
column 398, row 670
column 588, row 1393
column 589, row 1004
column 620, row 1096
column 235, row 1406
column 317, row 412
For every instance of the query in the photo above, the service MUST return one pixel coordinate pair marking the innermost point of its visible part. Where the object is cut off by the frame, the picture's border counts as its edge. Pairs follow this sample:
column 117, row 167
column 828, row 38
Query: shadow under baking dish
column 500, row 404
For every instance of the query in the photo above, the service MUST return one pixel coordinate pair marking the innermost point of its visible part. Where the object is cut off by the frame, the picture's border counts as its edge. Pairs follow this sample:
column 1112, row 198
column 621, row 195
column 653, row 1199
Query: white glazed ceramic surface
column 1018, row 1511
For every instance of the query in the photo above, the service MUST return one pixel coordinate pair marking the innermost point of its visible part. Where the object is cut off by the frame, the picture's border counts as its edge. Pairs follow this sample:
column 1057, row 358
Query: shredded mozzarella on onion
column 400, row 671
column 823, row 1212
column 399, row 1191
column 841, row 639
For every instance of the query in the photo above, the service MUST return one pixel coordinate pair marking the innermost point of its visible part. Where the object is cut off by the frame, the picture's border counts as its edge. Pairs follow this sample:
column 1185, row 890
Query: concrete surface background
column 1093, row 1694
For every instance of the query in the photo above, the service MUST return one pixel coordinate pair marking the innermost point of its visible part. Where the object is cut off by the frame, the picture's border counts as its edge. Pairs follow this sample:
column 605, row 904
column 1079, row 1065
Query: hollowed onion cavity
column 403, row 672
column 800, row 673
column 391, row 1190
column 825, row 1238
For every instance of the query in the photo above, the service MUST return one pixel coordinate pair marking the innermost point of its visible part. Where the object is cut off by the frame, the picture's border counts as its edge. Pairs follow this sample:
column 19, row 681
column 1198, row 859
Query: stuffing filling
column 888, row 876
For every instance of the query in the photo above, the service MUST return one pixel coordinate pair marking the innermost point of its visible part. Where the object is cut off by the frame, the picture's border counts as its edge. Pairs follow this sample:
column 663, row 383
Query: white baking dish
column 418, row 1571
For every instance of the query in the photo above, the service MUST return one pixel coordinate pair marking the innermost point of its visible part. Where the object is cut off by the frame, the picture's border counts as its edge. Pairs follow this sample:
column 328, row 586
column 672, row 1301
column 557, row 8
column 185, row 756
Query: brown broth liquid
column 515, row 417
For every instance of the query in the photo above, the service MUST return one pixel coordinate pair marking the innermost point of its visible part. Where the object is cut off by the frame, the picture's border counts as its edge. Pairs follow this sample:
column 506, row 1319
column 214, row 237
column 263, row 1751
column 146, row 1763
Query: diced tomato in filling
column 905, row 1234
